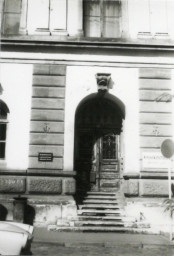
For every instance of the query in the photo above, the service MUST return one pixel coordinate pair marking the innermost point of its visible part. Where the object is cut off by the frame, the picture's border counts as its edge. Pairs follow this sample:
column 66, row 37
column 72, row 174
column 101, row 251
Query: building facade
column 86, row 88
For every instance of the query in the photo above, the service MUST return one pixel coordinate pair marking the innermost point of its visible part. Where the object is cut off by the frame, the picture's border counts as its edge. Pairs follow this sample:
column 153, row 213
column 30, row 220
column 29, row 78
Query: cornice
column 45, row 44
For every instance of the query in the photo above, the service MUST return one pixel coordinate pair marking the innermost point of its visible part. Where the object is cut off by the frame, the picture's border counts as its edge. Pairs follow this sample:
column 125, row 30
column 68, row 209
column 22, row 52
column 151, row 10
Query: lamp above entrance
column 103, row 81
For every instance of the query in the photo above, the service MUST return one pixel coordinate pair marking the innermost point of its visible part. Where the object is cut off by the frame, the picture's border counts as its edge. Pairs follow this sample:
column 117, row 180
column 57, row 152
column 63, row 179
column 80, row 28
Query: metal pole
column 169, row 179
column 170, row 196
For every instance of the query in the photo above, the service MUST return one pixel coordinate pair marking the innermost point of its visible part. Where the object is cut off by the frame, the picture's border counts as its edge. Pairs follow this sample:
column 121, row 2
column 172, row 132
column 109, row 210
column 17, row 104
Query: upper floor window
column 102, row 18
column 3, row 128
column 11, row 16
column 47, row 16
column 151, row 17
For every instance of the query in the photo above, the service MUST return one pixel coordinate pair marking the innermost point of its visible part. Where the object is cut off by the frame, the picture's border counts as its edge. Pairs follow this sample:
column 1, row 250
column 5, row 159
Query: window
column 52, row 17
column 150, row 17
column 3, row 128
column 102, row 18
column 11, row 16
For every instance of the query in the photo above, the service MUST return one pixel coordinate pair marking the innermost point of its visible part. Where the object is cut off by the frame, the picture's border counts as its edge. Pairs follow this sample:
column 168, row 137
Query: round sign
column 167, row 148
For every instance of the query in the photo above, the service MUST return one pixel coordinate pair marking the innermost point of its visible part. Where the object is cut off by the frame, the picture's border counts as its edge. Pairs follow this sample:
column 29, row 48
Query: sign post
column 167, row 149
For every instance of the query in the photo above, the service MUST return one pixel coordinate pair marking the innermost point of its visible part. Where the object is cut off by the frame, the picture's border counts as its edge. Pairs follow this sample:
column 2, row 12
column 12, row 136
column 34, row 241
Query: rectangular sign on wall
column 45, row 157
column 154, row 160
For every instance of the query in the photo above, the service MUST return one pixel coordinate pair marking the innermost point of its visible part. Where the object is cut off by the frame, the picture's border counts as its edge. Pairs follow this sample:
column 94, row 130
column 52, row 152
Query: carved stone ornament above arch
column 3, row 107
column 104, row 81
column 1, row 89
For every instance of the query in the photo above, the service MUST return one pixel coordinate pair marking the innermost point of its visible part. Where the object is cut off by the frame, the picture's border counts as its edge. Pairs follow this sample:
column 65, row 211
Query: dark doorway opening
column 98, row 124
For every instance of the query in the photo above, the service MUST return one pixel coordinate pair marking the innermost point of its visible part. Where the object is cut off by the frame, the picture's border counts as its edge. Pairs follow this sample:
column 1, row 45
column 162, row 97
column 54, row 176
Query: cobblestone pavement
column 101, row 249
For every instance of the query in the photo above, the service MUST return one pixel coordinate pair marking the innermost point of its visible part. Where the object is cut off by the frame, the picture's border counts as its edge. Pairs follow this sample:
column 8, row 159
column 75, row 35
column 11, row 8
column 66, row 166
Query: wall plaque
column 154, row 160
column 45, row 157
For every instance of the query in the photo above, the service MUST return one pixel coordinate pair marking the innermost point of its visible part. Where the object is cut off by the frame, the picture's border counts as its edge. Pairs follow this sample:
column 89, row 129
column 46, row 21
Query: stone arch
column 97, row 115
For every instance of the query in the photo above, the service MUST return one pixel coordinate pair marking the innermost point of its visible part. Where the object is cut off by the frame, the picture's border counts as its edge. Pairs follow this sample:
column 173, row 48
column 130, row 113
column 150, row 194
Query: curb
column 106, row 245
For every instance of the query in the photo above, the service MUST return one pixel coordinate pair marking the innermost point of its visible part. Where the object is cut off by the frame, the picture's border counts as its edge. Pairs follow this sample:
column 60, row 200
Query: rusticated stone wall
column 37, row 185
column 155, row 117
column 50, row 185
column 146, row 187
column 47, row 116
column 12, row 184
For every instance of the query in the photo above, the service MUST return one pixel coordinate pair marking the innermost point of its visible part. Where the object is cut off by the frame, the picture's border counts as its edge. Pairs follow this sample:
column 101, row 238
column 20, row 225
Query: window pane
column 2, row 150
column 92, row 26
column 58, row 14
column 11, row 18
column 111, row 8
column 92, row 7
column 3, row 131
column 38, row 14
column 158, row 9
column 142, row 16
column 109, row 147
column 170, row 12
column 111, row 27
column 13, row 6
column 102, row 18
column 92, row 18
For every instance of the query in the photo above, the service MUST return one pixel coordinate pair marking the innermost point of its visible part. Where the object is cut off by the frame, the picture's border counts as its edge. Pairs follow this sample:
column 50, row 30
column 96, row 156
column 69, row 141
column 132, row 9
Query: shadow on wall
column 3, row 213
column 29, row 214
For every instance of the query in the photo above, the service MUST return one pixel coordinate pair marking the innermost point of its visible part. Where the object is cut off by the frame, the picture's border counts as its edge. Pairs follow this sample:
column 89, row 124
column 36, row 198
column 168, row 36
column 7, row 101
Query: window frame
column 102, row 18
column 50, row 30
column 4, row 121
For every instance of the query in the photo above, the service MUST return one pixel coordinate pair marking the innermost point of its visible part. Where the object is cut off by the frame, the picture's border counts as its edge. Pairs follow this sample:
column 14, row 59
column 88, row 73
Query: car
column 14, row 237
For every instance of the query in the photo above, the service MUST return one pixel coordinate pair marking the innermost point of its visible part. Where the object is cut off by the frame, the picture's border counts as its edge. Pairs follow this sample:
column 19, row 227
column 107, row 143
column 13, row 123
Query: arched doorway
column 98, row 125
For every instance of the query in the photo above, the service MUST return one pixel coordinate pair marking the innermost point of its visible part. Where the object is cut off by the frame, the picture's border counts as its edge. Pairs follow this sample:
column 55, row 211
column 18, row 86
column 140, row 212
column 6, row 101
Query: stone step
column 93, row 229
column 109, row 182
column 101, row 206
column 113, row 170
column 105, row 218
column 98, row 223
column 101, row 193
column 92, row 211
column 108, row 188
column 96, row 201
column 110, row 171
column 106, row 175
column 110, row 166
column 109, row 177
column 103, row 198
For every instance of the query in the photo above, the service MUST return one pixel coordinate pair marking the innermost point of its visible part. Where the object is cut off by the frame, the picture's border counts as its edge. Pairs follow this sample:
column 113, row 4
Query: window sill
column 46, row 32
column 156, row 36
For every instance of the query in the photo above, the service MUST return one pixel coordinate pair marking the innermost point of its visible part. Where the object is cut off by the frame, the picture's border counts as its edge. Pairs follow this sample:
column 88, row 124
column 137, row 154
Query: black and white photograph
column 87, row 127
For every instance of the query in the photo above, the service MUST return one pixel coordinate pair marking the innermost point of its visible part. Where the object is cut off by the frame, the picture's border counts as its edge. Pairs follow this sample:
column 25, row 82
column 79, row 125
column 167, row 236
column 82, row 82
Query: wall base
column 40, row 210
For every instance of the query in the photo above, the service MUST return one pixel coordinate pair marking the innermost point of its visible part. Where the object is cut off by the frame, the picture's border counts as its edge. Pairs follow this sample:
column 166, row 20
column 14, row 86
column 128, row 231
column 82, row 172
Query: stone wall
column 37, row 185
column 146, row 187
column 151, row 212
column 155, row 117
column 47, row 115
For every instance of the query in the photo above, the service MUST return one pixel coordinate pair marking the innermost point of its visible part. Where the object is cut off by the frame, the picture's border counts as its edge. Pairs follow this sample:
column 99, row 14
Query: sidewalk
column 76, row 239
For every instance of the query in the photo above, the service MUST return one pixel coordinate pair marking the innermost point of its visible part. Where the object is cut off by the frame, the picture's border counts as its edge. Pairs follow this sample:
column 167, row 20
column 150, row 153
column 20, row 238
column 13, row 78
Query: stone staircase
column 102, row 212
